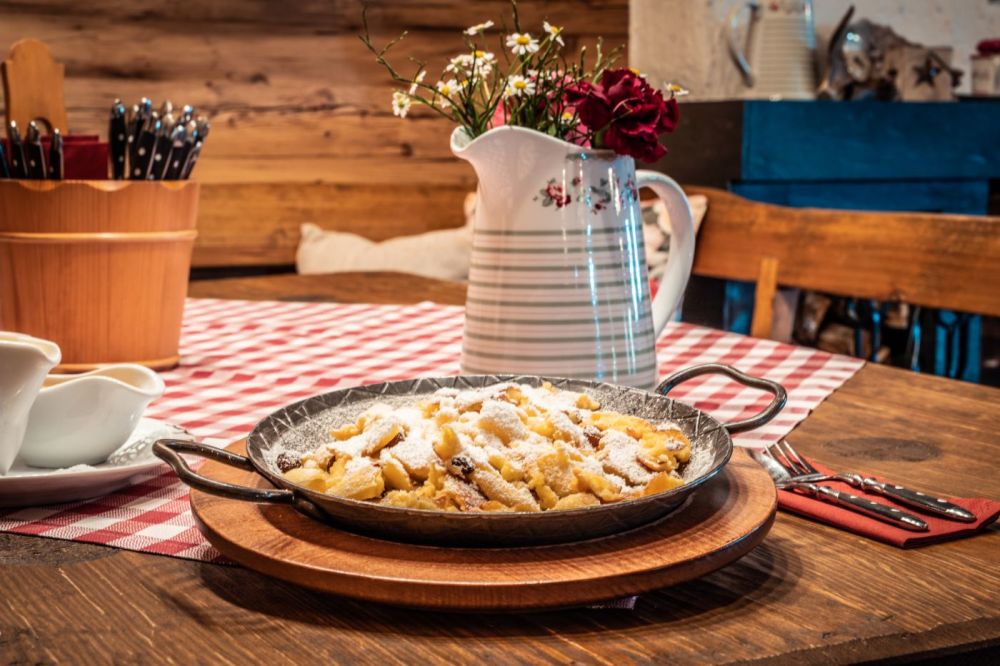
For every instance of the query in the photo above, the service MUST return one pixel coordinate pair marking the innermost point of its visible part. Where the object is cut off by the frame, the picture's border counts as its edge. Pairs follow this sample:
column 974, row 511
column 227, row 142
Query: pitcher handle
column 734, row 49
column 675, row 278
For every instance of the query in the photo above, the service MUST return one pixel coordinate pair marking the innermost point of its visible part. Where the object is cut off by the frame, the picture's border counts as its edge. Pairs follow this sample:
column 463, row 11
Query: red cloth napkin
column 85, row 157
column 985, row 510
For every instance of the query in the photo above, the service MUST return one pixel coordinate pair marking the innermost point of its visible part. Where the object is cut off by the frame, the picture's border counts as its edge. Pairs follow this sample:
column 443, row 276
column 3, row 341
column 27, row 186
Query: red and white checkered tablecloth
column 244, row 359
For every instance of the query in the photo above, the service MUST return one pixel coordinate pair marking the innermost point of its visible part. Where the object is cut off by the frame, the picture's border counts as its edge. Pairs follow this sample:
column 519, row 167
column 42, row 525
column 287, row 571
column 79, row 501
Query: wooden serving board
column 722, row 522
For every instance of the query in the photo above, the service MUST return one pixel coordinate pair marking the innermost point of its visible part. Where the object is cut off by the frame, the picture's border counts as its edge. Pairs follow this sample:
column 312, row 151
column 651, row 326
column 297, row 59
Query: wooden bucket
column 99, row 267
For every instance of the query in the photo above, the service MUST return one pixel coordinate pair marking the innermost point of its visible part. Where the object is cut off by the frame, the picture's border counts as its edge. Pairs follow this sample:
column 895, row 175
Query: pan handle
column 780, row 395
column 168, row 451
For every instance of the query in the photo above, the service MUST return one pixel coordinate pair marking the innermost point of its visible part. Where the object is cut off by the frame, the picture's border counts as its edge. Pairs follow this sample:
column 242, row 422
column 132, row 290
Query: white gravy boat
column 24, row 362
column 82, row 419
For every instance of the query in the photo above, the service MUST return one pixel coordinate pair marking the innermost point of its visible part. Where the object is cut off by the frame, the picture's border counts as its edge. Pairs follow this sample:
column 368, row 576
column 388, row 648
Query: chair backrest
column 928, row 259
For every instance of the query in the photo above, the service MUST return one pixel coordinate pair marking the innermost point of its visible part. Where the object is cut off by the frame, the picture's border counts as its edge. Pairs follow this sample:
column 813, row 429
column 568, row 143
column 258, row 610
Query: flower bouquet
column 533, row 84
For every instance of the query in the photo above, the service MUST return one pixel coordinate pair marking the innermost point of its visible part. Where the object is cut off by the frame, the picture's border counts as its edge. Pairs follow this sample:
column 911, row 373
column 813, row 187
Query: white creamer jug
column 24, row 363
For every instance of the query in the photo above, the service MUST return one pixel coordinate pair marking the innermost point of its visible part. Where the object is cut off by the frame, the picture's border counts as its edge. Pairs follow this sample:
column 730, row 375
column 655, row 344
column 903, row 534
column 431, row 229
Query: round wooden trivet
column 724, row 520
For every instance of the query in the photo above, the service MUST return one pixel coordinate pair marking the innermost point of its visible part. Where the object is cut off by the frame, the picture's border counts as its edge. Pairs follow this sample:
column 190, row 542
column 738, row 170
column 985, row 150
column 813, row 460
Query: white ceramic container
column 558, row 284
column 82, row 419
column 24, row 363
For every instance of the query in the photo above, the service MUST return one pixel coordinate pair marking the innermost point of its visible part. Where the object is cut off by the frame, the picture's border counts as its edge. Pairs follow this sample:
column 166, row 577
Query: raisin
column 287, row 461
column 463, row 465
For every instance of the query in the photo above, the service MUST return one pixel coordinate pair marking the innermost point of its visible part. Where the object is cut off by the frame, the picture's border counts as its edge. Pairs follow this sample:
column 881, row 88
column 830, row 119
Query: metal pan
column 301, row 426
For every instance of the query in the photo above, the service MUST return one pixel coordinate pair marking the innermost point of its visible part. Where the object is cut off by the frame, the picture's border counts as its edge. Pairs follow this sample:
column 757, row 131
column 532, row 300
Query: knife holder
column 99, row 267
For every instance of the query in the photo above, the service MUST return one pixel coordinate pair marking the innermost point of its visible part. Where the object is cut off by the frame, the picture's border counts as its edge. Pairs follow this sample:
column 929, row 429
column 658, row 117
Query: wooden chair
column 927, row 259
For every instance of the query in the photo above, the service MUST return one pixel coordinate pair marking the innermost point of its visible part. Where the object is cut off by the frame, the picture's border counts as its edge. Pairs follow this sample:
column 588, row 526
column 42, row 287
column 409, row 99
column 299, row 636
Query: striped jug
column 558, row 283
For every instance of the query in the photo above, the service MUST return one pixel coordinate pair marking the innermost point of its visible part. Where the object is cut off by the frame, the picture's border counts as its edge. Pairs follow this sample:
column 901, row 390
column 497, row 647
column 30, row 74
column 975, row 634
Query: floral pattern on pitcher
column 595, row 197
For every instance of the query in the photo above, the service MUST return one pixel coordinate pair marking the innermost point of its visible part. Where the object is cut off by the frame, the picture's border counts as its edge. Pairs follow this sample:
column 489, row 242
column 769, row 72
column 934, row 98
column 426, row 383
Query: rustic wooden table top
column 808, row 594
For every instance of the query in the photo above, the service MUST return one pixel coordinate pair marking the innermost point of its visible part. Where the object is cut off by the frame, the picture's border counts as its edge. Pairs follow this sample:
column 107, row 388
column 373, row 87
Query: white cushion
column 440, row 254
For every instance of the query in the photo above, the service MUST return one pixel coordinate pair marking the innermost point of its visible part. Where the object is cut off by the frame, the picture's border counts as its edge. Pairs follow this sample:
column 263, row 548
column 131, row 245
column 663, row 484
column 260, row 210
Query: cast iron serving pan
column 302, row 426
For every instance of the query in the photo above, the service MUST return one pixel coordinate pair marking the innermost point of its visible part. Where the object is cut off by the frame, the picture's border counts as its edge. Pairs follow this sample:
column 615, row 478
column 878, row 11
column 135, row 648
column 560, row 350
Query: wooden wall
column 302, row 125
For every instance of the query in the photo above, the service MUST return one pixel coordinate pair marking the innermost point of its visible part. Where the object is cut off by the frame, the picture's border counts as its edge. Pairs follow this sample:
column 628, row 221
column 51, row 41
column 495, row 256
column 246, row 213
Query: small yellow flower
column 517, row 85
column 401, row 103
column 522, row 43
column 675, row 90
column 555, row 32
column 447, row 89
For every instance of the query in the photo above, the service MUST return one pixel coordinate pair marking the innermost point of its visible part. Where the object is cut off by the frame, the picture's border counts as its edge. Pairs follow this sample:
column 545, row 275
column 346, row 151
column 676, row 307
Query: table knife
column 141, row 113
column 145, row 145
column 56, row 156
column 17, row 165
column 909, row 497
column 118, row 138
column 862, row 505
column 161, row 153
column 177, row 155
column 192, row 159
column 34, row 154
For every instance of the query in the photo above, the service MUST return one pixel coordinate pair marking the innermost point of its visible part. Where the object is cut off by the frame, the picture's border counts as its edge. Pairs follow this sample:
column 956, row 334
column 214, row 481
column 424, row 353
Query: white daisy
column 517, row 85
column 460, row 63
column 479, row 28
column 522, row 43
column 401, row 103
column 447, row 89
column 555, row 32
column 417, row 81
column 675, row 90
column 484, row 61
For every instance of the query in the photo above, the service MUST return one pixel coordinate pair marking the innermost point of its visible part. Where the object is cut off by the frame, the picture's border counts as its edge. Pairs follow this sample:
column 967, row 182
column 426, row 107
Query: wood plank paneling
column 237, row 236
column 294, row 98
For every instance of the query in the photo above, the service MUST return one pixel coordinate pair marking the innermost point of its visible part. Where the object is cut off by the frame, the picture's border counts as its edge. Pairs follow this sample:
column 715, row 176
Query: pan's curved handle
column 167, row 450
column 780, row 395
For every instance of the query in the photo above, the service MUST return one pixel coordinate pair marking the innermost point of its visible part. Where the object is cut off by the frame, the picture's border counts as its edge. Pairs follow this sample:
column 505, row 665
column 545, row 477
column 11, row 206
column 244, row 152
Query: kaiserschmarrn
column 505, row 447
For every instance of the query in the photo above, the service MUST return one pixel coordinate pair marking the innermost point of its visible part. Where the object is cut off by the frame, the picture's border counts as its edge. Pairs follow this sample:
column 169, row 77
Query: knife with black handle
column 118, row 136
column 191, row 160
column 56, row 156
column 177, row 154
column 144, row 148
column 161, row 153
column 141, row 114
column 17, row 166
column 34, row 154
column 202, row 127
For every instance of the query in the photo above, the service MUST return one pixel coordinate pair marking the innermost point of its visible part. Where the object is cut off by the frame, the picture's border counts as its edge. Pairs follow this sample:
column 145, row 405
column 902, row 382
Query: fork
column 801, row 470
column 862, row 505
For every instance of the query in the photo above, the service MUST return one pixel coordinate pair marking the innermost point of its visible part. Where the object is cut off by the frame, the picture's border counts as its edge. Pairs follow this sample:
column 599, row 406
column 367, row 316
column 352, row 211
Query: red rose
column 627, row 114
column 988, row 47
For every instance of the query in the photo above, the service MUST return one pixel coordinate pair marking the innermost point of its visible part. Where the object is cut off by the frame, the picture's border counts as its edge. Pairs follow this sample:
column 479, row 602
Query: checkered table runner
column 244, row 359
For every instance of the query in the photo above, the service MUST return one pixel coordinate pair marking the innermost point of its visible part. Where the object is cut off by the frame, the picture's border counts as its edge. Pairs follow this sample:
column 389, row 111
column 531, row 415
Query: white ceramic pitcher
column 24, row 363
column 558, row 284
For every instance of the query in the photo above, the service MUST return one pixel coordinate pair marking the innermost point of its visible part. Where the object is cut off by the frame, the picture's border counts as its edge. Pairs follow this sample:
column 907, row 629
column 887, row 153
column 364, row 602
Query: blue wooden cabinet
column 933, row 157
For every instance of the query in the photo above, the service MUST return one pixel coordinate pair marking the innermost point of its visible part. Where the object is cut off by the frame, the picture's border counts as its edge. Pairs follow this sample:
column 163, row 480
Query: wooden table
column 808, row 594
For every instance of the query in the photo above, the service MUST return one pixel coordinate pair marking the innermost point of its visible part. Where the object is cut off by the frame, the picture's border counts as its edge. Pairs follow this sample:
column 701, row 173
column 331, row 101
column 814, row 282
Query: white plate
column 29, row 486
